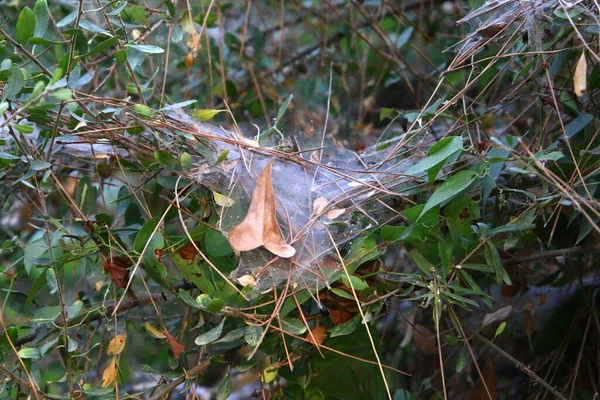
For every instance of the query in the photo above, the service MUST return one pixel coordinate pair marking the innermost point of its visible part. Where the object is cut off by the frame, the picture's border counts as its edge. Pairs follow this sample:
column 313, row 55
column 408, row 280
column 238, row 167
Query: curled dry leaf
column 118, row 269
column 152, row 331
column 176, row 347
column 110, row 373
column 260, row 227
column 580, row 76
column 116, row 345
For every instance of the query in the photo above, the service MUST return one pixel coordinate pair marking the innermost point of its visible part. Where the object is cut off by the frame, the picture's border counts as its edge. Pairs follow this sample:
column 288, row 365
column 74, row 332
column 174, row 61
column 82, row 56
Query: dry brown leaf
column 580, row 76
column 318, row 334
column 188, row 251
column 424, row 339
column 260, row 227
column 319, row 204
column 489, row 377
column 118, row 269
column 176, row 347
column 116, row 345
column 333, row 214
column 110, row 373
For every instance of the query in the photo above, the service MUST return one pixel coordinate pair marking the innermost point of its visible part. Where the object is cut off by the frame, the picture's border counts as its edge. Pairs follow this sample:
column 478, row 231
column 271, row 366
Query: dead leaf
column 260, row 227
column 499, row 315
column 116, row 345
column 580, row 76
column 489, row 377
column 247, row 280
column 336, row 212
column 176, row 347
column 118, row 269
column 318, row 335
column 424, row 339
column 110, row 373
column 188, row 251
column 319, row 204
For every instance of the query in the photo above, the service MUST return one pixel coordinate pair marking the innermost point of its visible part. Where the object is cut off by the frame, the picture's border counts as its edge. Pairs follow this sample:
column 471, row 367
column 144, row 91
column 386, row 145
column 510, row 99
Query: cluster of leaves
column 113, row 273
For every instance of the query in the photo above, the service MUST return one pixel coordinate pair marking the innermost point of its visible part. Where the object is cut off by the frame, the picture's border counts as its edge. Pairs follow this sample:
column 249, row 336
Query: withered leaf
column 109, row 375
column 260, row 227
column 318, row 335
column 580, row 76
column 116, row 345
column 188, row 251
column 118, row 269
column 176, row 347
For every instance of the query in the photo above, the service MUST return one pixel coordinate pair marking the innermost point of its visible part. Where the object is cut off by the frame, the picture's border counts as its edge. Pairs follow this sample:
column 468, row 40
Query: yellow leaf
column 260, row 227
column 580, row 76
column 270, row 373
column 116, row 345
column 152, row 331
column 223, row 200
column 205, row 114
column 110, row 373
column 316, row 335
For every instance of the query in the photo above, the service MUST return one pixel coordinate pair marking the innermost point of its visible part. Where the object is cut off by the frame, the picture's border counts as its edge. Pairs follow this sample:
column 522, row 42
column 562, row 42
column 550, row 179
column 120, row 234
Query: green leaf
column 493, row 258
column 500, row 329
column 6, row 156
column 357, row 283
column 205, row 114
column 511, row 228
column 63, row 94
column 283, row 107
column 293, row 325
column 145, row 234
column 30, row 353
column 166, row 160
column 89, row 26
column 211, row 335
column 43, row 42
column 253, row 334
column 103, row 47
column 346, row 328
column 25, row 26
column 454, row 186
column 42, row 17
column 144, row 111
column 438, row 153
column 15, row 84
column 145, row 48
column 39, row 165
column 424, row 265
column 224, row 390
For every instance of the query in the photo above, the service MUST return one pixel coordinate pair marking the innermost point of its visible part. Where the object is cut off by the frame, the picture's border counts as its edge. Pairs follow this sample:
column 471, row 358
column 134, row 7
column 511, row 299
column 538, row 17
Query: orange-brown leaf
column 188, row 251
column 176, row 347
column 318, row 335
column 260, row 227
